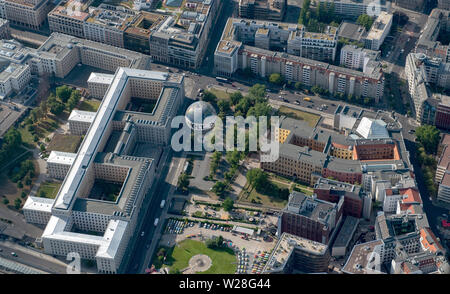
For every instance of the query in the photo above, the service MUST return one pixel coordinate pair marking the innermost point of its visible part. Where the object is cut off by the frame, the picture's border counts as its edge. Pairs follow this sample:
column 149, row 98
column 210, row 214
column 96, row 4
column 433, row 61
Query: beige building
column 58, row 164
column 263, row 9
column 26, row 13
column 98, row 84
column 61, row 53
column 68, row 19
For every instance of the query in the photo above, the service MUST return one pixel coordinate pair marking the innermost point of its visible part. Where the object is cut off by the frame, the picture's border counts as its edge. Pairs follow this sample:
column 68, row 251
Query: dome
column 200, row 110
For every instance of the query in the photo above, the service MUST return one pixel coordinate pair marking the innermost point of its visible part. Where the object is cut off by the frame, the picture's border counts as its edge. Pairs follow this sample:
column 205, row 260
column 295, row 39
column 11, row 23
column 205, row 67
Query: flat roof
column 61, row 157
column 39, row 204
column 359, row 257
column 90, row 144
column 100, row 78
column 286, row 246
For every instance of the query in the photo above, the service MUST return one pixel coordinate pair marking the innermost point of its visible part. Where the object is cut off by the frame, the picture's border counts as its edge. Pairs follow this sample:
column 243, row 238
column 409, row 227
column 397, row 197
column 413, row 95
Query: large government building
column 120, row 153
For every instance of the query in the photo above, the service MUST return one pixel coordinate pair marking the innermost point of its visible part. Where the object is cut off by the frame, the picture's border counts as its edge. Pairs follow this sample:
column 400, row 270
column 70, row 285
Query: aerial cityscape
column 242, row 137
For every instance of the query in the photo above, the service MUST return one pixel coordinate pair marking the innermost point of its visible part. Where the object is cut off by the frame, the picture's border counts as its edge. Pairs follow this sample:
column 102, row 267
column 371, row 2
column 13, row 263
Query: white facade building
column 58, row 164
column 37, row 210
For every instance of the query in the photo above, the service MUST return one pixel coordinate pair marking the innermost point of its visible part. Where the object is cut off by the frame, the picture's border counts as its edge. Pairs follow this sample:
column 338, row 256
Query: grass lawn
column 220, row 94
column 310, row 118
column 249, row 193
column 223, row 260
column 50, row 188
column 43, row 128
column 89, row 105
column 64, row 143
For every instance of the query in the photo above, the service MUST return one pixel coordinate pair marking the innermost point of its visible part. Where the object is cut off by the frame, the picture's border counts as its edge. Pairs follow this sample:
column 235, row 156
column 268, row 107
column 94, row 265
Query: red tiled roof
column 434, row 245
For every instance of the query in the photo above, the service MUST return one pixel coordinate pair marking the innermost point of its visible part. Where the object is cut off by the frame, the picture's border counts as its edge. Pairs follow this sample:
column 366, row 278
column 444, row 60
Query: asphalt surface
column 33, row 260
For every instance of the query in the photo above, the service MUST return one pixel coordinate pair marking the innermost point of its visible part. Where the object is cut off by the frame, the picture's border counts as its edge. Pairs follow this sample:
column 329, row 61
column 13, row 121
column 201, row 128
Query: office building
column 98, row 83
column 294, row 254
column 263, row 9
column 311, row 218
column 121, row 149
column 379, row 31
column 37, row 210
column 58, row 164
column 29, row 14
column 182, row 40
column 354, row 198
column 345, row 236
column 68, row 18
column 351, row 9
column 60, row 53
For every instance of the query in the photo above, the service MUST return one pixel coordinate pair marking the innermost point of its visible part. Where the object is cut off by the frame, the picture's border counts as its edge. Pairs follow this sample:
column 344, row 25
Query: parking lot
column 251, row 252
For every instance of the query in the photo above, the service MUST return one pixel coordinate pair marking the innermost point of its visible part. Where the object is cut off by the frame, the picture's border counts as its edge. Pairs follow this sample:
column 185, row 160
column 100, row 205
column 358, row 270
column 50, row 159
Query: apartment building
column 294, row 254
column 351, row 9
column 421, row 71
column 69, row 18
column 119, row 154
column 263, row 9
column 29, row 14
column 263, row 62
column 58, row 164
column 438, row 23
column 357, row 58
column 182, row 40
column 284, row 37
column 395, row 197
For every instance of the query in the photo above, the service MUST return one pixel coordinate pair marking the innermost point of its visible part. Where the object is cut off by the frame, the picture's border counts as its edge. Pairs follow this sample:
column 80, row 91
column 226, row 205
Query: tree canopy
column 429, row 137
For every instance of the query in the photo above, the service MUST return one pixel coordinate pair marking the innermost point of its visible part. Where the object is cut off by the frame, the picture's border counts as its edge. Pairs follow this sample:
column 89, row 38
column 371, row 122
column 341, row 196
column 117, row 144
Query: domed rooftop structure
column 200, row 111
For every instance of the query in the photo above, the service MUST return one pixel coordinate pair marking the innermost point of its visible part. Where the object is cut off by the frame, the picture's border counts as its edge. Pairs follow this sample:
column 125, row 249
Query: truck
column 307, row 99
column 163, row 202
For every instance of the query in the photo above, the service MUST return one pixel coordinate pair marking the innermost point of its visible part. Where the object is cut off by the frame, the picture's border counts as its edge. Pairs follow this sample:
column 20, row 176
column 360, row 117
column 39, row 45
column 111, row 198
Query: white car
column 163, row 202
column 155, row 223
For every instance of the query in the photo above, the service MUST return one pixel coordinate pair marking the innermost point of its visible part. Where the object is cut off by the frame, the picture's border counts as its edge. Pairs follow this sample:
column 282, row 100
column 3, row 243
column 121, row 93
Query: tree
column 17, row 203
column 235, row 97
column 63, row 93
column 208, row 96
column 257, row 178
column 42, row 194
column 23, row 195
column 260, row 109
column 228, row 204
column 44, row 108
column 219, row 188
column 233, row 157
column 257, row 93
column 298, row 86
column 366, row 21
column 19, row 185
column 224, row 105
column 74, row 99
column 57, row 108
column 42, row 147
column 243, row 105
column 183, row 181
column 276, row 79
column 429, row 137
column 175, row 271
column 5, row 201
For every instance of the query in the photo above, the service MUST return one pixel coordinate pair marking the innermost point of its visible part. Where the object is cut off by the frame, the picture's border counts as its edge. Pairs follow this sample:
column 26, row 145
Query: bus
column 223, row 80
column 307, row 99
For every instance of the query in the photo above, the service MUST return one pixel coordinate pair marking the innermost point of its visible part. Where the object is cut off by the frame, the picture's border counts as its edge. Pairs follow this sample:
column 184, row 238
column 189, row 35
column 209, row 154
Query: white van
column 163, row 202
column 155, row 223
